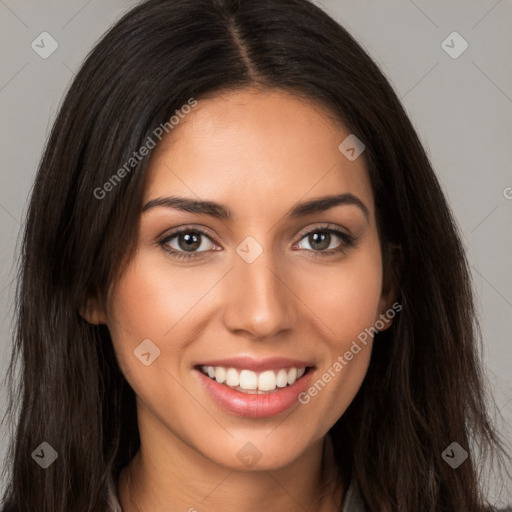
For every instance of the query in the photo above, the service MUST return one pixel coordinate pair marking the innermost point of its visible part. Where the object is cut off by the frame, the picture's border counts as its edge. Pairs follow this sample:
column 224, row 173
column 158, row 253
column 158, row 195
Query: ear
column 93, row 312
column 392, row 266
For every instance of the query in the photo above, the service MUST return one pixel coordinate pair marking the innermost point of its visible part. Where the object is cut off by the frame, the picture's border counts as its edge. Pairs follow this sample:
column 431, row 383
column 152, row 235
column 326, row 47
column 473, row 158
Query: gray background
column 462, row 109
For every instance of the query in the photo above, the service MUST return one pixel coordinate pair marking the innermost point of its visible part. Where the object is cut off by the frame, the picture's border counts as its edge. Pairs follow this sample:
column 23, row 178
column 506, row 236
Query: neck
column 154, row 481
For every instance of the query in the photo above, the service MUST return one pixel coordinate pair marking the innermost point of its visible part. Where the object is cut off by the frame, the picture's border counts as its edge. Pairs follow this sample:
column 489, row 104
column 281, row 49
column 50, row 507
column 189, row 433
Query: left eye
column 323, row 240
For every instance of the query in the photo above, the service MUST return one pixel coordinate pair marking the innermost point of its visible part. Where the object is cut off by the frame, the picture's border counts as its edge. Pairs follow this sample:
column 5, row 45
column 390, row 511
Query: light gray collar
column 352, row 501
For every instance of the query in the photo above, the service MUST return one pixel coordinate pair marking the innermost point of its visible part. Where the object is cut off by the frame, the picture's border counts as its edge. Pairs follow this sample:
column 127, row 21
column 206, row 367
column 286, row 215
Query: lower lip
column 254, row 405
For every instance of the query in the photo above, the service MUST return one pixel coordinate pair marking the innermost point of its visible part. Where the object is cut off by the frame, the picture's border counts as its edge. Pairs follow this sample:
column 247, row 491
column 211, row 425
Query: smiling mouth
column 250, row 382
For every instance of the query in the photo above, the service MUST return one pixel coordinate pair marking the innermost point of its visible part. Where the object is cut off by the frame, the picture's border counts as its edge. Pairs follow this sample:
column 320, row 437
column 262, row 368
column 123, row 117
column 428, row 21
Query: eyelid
column 322, row 226
column 169, row 233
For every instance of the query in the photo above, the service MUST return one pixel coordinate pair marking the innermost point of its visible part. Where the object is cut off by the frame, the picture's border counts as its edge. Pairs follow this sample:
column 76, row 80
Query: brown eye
column 326, row 241
column 319, row 240
column 186, row 243
column 189, row 241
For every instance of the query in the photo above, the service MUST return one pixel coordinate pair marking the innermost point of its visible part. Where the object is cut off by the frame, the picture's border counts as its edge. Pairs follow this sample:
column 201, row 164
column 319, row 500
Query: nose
column 259, row 298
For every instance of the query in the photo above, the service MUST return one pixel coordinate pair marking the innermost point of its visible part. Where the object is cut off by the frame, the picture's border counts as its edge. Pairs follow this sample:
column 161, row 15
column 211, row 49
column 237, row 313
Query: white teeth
column 267, row 381
column 232, row 377
column 220, row 374
column 247, row 380
column 292, row 375
column 282, row 378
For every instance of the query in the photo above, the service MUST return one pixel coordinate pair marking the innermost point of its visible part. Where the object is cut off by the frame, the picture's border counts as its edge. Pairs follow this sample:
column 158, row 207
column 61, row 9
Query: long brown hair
column 424, row 388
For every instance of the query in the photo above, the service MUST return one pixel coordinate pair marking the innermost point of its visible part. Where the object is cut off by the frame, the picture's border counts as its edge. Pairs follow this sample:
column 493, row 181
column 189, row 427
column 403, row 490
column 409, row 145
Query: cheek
column 148, row 315
column 147, row 304
column 346, row 297
column 152, row 298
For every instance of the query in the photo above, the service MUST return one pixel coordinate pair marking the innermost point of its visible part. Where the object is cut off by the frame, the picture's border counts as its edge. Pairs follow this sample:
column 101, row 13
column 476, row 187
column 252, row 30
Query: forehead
column 252, row 149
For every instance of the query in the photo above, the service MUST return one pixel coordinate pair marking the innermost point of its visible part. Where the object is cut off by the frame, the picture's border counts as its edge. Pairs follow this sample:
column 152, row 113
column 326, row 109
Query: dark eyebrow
column 325, row 203
column 222, row 212
column 190, row 205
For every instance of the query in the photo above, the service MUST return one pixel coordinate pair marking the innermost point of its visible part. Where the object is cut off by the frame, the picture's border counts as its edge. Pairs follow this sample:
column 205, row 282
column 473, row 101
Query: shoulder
column 353, row 502
column 113, row 500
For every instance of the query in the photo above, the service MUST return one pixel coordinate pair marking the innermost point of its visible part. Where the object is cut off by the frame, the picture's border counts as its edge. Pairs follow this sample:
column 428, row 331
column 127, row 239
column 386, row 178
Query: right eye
column 186, row 243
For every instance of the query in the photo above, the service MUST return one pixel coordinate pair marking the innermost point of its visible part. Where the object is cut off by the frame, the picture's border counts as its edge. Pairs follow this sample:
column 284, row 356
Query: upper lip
column 257, row 364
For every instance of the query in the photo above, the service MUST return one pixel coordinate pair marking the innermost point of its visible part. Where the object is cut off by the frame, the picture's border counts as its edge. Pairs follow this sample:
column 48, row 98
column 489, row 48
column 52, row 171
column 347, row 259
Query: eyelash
column 348, row 241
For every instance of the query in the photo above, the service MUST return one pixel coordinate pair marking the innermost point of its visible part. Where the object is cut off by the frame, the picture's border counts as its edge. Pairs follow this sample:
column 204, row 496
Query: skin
column 258, row 153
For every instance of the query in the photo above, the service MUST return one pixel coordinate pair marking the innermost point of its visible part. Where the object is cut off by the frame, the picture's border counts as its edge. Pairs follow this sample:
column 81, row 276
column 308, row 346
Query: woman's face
column 269, row 294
